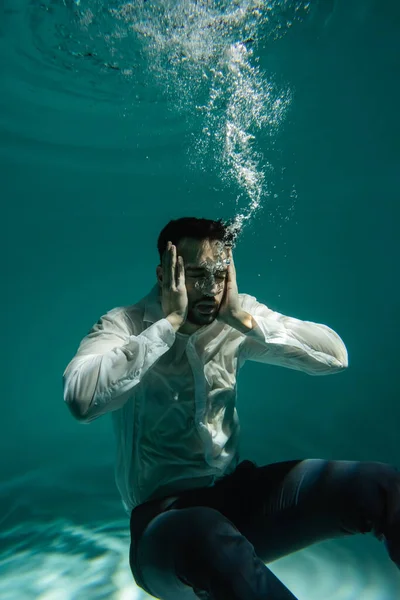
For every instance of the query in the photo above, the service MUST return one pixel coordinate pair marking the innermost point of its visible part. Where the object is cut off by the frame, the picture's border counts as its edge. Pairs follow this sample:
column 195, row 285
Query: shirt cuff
column 161, row 331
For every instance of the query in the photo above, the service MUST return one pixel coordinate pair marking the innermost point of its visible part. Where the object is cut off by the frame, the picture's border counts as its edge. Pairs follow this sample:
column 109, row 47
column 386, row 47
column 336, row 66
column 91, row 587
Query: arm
column 110, row 362
column 275, row 339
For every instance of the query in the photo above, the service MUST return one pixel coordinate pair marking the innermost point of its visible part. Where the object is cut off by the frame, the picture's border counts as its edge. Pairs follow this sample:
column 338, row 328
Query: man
column 203, row 524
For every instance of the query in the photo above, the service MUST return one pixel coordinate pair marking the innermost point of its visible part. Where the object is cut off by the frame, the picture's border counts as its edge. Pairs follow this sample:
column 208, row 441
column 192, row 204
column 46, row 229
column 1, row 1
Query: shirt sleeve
column 289, row 342
column 110, row 362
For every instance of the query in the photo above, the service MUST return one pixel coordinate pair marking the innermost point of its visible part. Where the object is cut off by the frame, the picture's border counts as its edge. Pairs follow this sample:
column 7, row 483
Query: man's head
column 202, row 244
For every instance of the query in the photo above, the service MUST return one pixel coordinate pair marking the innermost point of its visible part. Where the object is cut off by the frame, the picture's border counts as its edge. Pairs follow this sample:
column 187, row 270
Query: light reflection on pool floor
column 66, row 542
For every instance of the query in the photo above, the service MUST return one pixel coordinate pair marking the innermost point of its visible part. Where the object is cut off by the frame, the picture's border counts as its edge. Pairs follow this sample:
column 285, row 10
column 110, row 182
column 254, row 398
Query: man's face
column 205, row 277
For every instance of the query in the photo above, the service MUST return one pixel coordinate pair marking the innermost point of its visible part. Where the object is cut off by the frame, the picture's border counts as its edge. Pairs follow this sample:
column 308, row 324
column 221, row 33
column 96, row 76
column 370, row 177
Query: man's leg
column 198, row 548
column 309, row 501
column 278, row 509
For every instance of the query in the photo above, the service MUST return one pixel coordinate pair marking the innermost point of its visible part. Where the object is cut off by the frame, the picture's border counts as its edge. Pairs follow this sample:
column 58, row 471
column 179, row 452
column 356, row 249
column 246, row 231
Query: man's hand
column 230, row 311
column 174, row 300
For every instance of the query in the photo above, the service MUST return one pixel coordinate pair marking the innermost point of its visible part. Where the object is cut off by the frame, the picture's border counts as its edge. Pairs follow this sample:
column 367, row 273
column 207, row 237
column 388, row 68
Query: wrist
column 175, row 320
column 241, row 320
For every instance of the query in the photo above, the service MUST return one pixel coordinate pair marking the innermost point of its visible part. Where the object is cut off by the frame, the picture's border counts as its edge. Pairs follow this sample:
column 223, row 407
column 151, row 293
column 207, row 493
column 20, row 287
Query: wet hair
column 195, row 228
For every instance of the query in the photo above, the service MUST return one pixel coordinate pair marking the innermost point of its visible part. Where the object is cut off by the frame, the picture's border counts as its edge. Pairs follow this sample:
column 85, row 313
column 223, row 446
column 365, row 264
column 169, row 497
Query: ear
column 159, row 275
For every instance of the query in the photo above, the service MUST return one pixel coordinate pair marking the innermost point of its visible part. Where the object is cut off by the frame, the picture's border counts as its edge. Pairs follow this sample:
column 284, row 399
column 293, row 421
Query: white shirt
column 173, row 396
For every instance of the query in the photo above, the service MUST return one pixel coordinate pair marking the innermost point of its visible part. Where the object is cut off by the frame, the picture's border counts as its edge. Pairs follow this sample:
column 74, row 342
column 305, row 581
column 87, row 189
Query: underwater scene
column 280, row 116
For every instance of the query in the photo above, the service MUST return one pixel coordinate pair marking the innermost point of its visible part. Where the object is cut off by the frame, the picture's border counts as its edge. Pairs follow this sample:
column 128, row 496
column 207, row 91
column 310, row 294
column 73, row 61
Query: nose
column 210, row 292
column 209, row 286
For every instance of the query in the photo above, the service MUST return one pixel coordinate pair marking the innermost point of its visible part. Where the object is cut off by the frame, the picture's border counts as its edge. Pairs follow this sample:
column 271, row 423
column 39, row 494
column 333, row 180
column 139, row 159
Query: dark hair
column 198, row 229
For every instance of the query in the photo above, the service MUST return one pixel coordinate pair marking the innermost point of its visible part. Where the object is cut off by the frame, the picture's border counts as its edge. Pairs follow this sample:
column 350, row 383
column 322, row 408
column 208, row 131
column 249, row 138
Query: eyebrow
column 195, row 267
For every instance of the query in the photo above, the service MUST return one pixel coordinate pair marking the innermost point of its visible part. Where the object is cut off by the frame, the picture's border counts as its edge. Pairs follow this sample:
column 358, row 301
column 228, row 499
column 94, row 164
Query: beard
column 198, row 318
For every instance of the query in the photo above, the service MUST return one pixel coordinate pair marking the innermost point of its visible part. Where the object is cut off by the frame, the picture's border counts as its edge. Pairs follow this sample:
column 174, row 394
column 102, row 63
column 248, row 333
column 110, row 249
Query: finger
column 231, row 266
column 166, row 266
column 173, row 266
column 180, row 272
column 167, row 253
column 232, row 262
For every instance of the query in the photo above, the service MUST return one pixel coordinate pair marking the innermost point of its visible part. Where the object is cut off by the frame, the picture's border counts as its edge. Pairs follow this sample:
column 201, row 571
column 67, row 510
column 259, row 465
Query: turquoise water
column 117, row 117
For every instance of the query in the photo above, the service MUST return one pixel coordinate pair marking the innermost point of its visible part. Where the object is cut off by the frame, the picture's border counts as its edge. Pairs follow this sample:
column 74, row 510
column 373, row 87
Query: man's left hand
column 230, row 311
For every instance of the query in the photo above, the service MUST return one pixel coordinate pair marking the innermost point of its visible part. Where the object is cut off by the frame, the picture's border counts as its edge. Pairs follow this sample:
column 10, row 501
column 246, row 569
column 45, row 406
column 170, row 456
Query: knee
column 377, row 474
column 376, row 490
column 369, row 476
column 200, row 530
column 207, row 524
column 209, row 529
column 214, row 546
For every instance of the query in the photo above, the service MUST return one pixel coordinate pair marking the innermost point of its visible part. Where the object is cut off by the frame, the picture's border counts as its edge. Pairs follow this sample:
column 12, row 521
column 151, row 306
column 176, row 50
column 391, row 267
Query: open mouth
column 206, row 309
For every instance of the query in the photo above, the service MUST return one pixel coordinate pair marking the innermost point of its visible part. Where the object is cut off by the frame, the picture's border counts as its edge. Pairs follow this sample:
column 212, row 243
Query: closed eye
column 195, row 274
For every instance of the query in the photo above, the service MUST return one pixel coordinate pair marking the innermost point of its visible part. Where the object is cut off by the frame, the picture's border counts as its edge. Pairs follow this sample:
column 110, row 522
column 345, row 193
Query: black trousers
column 214, row 542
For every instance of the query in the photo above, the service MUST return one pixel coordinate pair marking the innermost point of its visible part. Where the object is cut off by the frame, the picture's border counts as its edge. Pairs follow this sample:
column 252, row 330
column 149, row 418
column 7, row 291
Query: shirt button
column 136, row 373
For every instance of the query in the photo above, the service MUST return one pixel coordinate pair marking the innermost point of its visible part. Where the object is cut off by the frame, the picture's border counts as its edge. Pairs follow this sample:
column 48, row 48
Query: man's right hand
column 174, row 300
